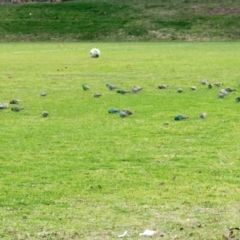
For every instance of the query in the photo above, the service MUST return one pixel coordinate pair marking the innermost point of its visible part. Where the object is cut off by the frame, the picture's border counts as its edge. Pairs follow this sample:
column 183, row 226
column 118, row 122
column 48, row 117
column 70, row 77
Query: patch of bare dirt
column 224, row 11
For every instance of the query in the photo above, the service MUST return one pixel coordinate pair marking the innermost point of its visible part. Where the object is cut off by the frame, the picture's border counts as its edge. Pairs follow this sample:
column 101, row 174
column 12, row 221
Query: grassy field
column 114, row 20
column 82, row 173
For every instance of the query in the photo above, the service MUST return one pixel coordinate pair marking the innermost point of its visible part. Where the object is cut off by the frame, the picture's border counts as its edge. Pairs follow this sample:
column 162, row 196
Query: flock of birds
column 121, row 112
column 15, row 105
column 125, row 112
column 14, row 108
column 135, row 89
column 221, row 94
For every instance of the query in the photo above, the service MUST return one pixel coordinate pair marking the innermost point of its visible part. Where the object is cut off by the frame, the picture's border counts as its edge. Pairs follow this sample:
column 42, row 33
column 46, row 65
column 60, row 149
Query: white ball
column 94, row 53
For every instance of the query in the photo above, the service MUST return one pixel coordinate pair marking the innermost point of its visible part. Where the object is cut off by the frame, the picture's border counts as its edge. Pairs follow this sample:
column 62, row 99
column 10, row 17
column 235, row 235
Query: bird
column 97, row 95
column 110, row 86
column 128, row 112
column 237, row 99
column 180, row 117
column 45, row 113
column 179, row 90
column 218, row 84
column 85, row 87
column 203, row 115
column 43, row 94
column 136, row 89
column 113, row 110
column 122, row 91
column 210, row 86
column 163, row 86
column 122, row 113
column 229, row 89
column 222, row 93
column 14, row 101
column 16, row 109
column 204, row 81
column 3, row 106
column 193, row 88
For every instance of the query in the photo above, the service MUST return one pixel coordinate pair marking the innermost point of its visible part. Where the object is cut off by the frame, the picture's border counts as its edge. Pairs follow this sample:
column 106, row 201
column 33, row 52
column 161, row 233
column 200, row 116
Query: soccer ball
column 94, row 53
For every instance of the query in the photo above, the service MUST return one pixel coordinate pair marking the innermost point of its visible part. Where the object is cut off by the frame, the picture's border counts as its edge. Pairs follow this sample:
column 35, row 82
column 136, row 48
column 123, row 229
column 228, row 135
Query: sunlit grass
column 82, row 173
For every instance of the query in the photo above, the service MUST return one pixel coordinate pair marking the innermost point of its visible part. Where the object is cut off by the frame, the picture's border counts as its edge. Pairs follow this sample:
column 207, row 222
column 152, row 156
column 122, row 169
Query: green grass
column 82, row 173
column 106, row 20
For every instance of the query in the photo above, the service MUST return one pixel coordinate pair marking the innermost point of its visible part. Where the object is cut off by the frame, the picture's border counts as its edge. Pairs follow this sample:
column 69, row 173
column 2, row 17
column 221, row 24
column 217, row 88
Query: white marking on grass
column 22, row 52
column 41, row 51
column 120, row 46
column 123, row 235
column 26, row 52
column 148, row 233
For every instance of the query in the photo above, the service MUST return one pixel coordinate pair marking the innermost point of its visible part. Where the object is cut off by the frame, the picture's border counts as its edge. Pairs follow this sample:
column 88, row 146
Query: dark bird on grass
column 45, row 113
column 97, row 95
column 3, row 106
column 122, row 91
column 113, row 110
column 193, row 88
column 43, row 94
column 229, row 89
column 179, row 90
column 203, row 115
column 16, row 109
column 210, row 86
column 180, row 117
column 163, row 86
column 204, row 81
column 237, row 99
column 110, row 86
column 85, row 87
column 14, row 101
column 136, row 89
column 128, row 112
column 218, row 84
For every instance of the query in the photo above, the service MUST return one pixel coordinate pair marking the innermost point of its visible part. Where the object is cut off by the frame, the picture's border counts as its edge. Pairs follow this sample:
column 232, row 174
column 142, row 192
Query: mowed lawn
column 82, row 173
